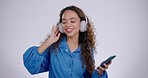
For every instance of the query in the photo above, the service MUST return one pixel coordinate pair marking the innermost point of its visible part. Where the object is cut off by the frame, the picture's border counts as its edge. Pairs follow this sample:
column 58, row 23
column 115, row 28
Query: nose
column 67, row 24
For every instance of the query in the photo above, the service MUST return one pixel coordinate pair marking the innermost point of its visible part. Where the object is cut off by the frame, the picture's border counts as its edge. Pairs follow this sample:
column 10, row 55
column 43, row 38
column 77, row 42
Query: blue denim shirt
column 60, row 64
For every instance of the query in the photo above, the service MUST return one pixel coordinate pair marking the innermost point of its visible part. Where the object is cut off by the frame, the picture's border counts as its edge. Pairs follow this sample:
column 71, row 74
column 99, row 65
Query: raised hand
column 54, row 36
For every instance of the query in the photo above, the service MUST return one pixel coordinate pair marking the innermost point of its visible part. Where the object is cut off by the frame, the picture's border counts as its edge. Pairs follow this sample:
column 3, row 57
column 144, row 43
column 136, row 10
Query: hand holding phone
column 107, row 61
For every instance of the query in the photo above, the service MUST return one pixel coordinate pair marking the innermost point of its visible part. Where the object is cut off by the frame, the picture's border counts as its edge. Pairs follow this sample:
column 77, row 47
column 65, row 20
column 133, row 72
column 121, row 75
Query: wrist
column 44, row 46
column 50, row 41
column 100, row 72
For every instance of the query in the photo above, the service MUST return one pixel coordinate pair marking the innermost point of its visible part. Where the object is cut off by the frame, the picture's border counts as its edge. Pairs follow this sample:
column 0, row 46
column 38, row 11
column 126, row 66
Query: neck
column 73, row 40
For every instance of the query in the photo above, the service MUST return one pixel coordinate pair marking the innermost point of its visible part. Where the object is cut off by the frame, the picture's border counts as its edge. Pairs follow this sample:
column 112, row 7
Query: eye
column 63, row 22
column 73, row 21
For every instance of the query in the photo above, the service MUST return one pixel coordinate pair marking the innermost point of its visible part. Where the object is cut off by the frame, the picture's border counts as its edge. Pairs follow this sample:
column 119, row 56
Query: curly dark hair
column 87, row 39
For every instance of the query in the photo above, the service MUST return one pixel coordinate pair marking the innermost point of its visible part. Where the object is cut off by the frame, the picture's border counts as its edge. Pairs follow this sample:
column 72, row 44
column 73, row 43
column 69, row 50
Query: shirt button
column 66, row 50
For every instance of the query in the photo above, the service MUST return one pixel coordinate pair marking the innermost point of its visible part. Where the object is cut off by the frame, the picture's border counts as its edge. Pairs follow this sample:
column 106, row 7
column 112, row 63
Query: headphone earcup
column 83, row 26
column 60, row 28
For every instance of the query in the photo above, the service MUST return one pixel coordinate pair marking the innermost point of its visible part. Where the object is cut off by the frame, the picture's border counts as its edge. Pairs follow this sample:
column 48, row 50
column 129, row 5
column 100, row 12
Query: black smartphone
column 107, row 61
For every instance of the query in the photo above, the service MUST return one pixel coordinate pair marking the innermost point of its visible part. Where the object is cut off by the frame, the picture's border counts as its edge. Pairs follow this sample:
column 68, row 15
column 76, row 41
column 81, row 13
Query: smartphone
column 107, row 61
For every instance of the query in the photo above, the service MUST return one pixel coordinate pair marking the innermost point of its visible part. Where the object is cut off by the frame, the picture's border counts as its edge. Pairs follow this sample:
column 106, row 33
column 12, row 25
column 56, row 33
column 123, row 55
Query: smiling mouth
column 69, row 30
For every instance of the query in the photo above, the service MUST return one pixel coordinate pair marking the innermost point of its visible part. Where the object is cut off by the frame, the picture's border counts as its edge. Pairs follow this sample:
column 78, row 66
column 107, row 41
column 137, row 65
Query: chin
column 70, row 34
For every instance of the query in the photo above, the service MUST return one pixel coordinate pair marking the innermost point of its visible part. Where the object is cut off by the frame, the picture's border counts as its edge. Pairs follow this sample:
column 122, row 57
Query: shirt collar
column 63, row 44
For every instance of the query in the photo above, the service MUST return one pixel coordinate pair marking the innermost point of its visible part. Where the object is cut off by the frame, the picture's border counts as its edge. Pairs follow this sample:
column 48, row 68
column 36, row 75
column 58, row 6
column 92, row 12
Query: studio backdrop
column 121, row 27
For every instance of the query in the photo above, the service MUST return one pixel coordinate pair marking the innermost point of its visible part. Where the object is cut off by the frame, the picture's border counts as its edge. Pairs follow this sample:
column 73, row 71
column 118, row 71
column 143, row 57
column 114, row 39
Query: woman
column 69, row 50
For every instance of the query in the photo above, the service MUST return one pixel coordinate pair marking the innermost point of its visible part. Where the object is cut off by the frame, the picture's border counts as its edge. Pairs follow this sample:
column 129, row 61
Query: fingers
column 52, row 31
column 101, row 68
column 106, row 66
column 58, row 35
column 55, row 30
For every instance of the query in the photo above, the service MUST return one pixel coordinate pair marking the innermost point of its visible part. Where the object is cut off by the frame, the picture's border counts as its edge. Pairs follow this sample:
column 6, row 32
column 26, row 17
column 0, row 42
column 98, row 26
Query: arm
column 52, row 39
column 36, row 59
column 36, row 62
column 101, row 72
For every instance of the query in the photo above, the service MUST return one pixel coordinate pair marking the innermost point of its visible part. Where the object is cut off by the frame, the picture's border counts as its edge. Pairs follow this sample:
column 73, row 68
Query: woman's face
column 71, row 23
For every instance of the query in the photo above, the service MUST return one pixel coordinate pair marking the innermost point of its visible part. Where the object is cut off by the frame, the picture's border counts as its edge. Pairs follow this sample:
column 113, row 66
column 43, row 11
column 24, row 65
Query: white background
column 121, row 27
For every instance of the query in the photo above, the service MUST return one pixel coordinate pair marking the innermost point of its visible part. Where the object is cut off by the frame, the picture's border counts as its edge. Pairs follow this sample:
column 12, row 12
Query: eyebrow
column 70, row 18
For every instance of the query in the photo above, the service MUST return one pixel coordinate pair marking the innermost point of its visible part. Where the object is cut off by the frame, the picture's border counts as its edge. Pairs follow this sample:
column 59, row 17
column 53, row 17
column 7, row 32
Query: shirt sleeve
column 36, row 62
column 96, row 75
